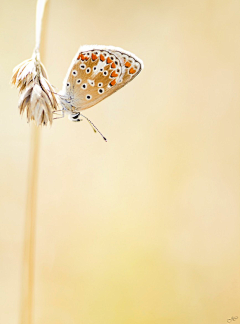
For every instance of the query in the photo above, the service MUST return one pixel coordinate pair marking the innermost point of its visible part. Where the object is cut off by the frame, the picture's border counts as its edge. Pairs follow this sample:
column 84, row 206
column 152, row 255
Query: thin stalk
column 28, row 269
column 30, row 230
column 39, row 17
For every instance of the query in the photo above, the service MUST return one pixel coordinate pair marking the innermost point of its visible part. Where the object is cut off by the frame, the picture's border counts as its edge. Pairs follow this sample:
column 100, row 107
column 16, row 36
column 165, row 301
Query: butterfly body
column 95, row 73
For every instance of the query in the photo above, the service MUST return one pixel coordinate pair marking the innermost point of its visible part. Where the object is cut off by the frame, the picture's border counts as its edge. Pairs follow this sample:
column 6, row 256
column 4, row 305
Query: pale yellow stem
column 39, row 16
column 30, row 230
column 28, row 270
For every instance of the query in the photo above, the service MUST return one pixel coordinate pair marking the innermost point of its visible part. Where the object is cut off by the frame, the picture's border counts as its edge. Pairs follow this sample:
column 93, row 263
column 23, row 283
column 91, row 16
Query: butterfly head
column 74, row 117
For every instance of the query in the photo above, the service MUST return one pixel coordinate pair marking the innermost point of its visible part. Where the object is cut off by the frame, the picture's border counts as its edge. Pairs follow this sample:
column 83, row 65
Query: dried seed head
column 37, row 95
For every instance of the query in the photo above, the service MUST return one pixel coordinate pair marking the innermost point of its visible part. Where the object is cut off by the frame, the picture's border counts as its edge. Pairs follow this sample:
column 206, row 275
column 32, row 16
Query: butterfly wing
column 96, row 72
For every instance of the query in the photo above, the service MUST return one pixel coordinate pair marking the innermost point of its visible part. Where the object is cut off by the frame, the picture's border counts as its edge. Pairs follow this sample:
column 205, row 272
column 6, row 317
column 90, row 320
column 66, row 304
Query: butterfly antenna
column 95, row 129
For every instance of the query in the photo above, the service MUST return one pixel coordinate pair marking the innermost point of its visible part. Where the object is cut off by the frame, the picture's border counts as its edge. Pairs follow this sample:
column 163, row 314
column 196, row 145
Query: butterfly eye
column 100, row 91
column 101, row 70
column 74, row 72
column 82, row 66
column 88, row 97
column 68, row 84
column 96, row 53
column 111, row 57
column 100, row 84
column 116, row 62
column 88, row 70
column 95, row 68
column 118, row 70
column 84, row 86
column 105, row 73
column 79, row 81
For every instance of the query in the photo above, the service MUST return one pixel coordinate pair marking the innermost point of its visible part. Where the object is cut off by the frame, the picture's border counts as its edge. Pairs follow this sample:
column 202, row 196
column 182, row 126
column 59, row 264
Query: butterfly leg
column 57, row 112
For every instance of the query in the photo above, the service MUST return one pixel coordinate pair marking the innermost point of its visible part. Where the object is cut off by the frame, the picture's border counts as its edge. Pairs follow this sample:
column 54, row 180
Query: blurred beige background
column 144, row 229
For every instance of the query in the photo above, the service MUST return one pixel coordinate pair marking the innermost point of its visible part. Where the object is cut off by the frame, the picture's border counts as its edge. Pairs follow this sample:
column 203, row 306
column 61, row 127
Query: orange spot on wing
column 113, row 82
column 86, row 58
column 102, row 58
column 132, row 71
column 113, row 65
column 114, row 74
column 78, row 58
column 94, row 57
column 82, row 57
column 109, row 60
column 127, row 64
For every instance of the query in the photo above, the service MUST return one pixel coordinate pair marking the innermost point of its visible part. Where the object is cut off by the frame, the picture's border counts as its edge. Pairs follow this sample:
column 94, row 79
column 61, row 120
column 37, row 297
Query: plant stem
column 30, row 230
column 27, row 292
column 39, row 16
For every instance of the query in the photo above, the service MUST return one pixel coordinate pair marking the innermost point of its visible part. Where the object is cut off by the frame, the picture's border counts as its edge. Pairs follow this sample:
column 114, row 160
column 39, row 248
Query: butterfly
column 95, row 73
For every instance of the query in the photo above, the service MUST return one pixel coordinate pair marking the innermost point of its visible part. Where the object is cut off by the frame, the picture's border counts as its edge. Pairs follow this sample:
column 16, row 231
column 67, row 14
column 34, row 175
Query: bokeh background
column 143, row 229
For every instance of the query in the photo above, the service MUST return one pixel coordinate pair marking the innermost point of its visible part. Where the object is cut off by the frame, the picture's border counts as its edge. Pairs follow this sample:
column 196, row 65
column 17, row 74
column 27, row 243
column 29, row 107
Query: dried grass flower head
column 37, row 96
